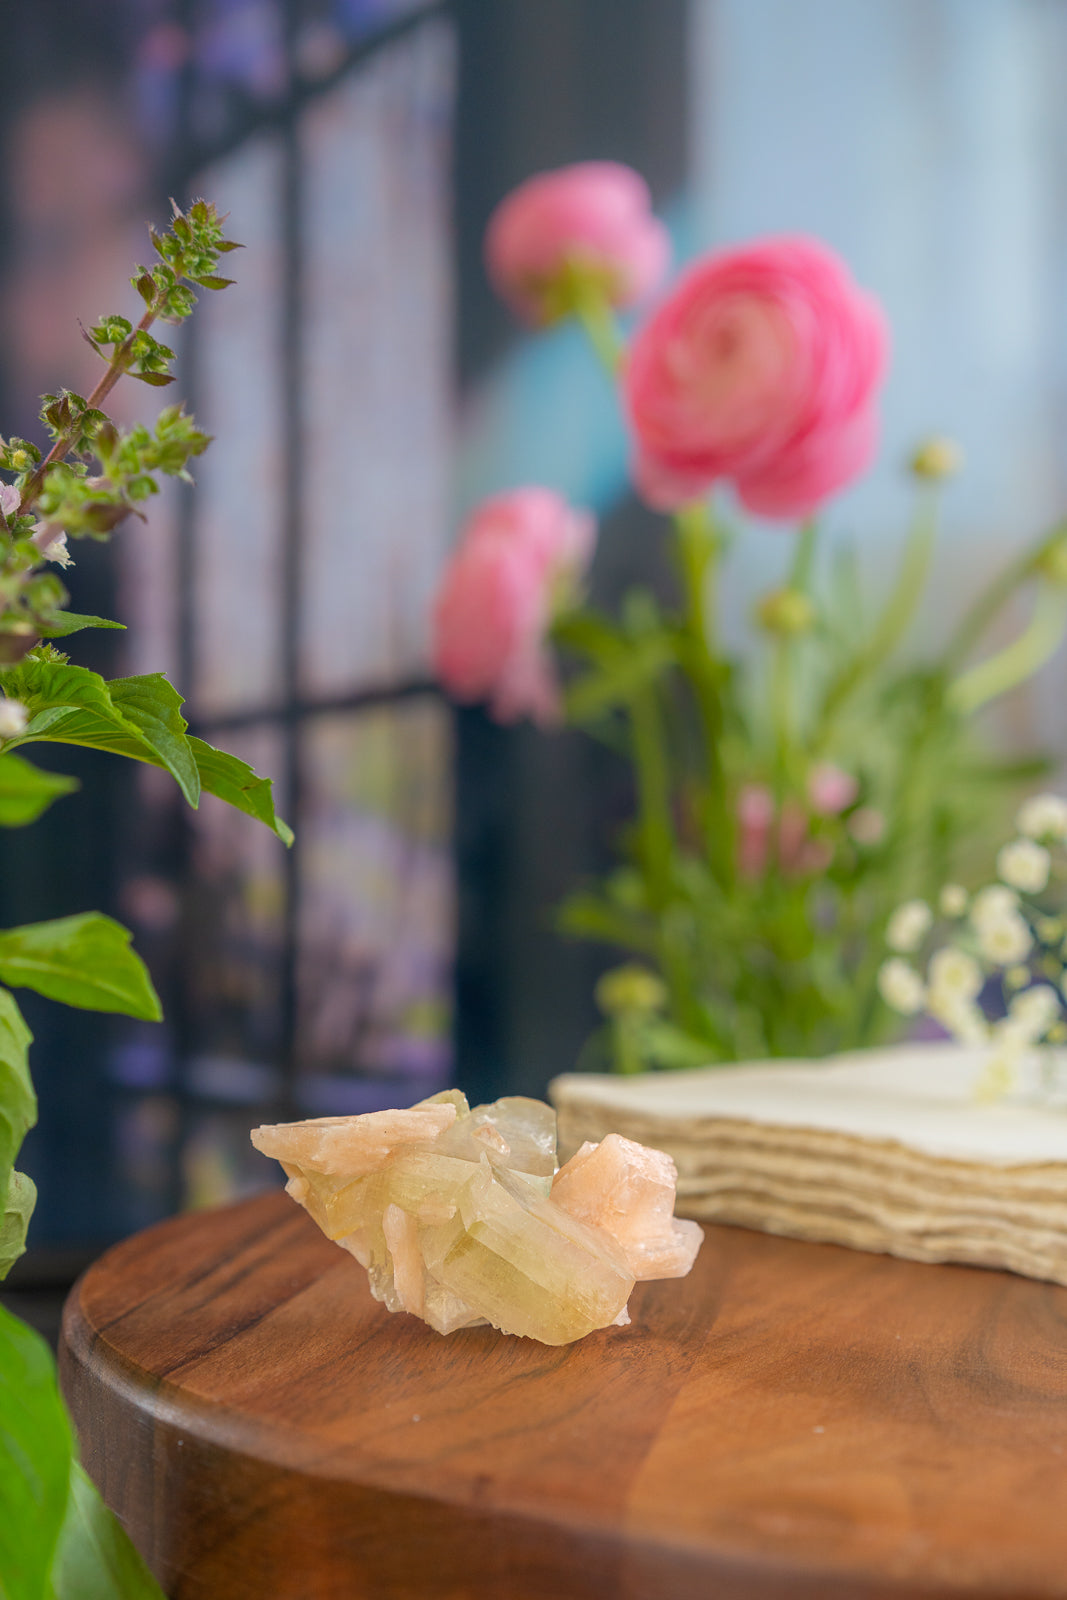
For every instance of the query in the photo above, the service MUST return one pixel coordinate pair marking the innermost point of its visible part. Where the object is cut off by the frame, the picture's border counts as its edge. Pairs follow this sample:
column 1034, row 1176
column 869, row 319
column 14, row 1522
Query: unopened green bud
column 630, row 991
column 785, row 611
column 937, row 458
column 1052, row 563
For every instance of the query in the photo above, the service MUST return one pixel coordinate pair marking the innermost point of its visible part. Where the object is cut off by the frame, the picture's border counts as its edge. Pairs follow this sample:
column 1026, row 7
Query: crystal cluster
column 460, row 1215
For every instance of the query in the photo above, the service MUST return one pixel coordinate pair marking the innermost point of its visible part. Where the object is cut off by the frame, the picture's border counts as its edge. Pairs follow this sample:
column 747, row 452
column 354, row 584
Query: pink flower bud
column 831, row 789
column 592, row 219
column 520, row 556
column 760, row 368
column 755, row 819
column 761, row 836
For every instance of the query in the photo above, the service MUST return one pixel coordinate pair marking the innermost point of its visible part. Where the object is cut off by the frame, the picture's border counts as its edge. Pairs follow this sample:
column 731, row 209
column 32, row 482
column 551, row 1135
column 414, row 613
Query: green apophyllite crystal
column 460, row 1216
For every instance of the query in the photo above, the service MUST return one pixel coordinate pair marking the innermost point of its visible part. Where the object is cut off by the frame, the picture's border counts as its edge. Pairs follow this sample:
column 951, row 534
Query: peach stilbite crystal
column 628, row 1190
column 459, row 1216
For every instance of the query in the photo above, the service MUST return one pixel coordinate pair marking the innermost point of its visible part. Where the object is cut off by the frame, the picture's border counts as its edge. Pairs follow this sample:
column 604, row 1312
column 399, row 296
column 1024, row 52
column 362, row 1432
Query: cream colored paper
column 880, row 1150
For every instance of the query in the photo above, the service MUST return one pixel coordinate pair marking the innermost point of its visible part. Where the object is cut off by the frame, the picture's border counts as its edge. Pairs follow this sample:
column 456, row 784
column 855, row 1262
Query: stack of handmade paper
column 886, row 1150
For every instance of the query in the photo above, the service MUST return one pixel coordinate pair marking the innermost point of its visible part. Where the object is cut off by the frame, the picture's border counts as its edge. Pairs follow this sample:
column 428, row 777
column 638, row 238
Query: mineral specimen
column 460, row 1216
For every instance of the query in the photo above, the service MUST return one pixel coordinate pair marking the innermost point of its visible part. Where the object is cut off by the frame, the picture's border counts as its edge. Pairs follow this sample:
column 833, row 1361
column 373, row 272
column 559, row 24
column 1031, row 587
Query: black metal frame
column 289, row 713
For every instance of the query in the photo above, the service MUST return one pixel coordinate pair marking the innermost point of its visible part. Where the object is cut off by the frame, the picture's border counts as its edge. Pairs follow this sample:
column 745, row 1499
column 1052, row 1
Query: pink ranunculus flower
column 520, row 557
column 831, row 789
column 593, row 217
column 761, row 368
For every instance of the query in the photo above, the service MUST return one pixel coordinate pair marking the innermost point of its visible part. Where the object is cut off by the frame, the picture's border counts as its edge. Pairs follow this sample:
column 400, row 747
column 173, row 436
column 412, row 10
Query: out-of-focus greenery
column 760, row 905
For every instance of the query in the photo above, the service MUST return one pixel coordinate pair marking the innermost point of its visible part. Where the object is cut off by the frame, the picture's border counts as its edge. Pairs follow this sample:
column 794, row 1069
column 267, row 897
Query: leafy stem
column 117, row 365
column 783, row 667
column 583, row 293
column 698, row 552
column 896, row 616
column 1018, row 660
column 996, row 595
column 655, row 826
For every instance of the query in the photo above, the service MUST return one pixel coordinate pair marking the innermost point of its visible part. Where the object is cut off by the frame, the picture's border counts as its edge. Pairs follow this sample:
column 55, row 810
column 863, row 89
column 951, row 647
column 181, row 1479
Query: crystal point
column 459, row 1215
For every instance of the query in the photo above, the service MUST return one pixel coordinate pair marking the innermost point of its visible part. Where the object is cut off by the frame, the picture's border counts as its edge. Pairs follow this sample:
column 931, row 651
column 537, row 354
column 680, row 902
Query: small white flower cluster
column 13, row 718
column 999, row 936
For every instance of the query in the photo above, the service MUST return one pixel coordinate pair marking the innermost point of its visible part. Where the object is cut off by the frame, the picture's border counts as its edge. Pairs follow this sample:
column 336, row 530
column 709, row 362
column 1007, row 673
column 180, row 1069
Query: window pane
column 148, row 585
column 377, row 350
column 375, row 920
column 238, row 502
column 218, row 1160
column 234, row 940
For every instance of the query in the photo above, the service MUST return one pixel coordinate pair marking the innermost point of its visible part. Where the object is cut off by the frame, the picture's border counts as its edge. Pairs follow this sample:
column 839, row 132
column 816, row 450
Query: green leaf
column 617, row 682
column 584, row 915
column 672, row 1048
column 235, row 782
column 36, row 1447
column 83, row 961
column 134, row 717
column 591, row 634
column 66, row 622
column 15, row 1219
column 94, row 1558
column 154, row 705
column 18, row 1103
column 26, row 791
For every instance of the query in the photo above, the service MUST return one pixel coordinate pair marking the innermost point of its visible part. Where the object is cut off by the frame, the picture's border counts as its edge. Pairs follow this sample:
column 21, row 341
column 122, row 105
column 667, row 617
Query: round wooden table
column 790, row 1420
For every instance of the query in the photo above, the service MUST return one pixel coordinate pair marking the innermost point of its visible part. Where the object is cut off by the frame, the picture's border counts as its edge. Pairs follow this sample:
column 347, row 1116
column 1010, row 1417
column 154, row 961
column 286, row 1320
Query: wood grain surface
column 790, row 1420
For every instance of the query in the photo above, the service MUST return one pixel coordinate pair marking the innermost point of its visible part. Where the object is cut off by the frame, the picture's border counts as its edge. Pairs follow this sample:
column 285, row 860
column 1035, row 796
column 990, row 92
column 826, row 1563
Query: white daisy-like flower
column 901, row 987
column 1025, row 865
column 1005, row 942
column 952, row 901
column 960, row 1016
column 1035, row 1009
column 993, row 904
column 13, row 718
column 1043, row 816
column 953, row 972
column 998, row 1077
column 908, row 926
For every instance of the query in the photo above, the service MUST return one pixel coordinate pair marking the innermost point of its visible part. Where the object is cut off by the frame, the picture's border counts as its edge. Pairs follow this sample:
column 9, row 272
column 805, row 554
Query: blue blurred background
column 365, row 390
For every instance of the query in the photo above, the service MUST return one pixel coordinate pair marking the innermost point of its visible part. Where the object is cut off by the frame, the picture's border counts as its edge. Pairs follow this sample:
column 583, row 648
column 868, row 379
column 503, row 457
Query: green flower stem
column 783, row 667
column 992, row 600
column 895, row 618
column 112, row 373
column 698, row 552
column 804, row 556
column 1018, row 660
column 597, row 318
column 655, row 826
column 655, row 823
column 781, row 717
column 625, row 1046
